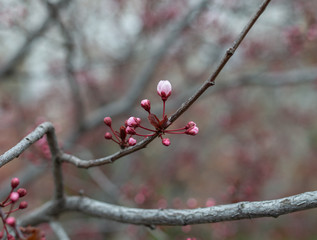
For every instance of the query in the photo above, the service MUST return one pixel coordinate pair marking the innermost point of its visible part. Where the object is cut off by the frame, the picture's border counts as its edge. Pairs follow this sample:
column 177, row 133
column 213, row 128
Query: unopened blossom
column 133, row 122
column 23, row 205
column 130, row 130
column 107, row 121
column 146, row 104
column 15, row 182
column 131, row 141
column 108, row 135
column 10, row 221
column 166, row 142
column 14, row 196
column 164, row 89
column 22, row 192
column 192, row 131
column 190, row 125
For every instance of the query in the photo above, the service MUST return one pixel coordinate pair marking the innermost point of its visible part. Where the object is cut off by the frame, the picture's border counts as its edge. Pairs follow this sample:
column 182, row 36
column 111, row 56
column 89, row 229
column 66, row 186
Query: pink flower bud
column 14, row 196
column 15, row 182
column 108, row 135
column 11, row 221
column 130, row 130
column 131, row 141
column 190, row 125
column 192, row 131
column 107, row 121
column 23, row 205
column 133, row 122
column 22, row 192
column 146, row 104
column 164, row 89
column 166, row 142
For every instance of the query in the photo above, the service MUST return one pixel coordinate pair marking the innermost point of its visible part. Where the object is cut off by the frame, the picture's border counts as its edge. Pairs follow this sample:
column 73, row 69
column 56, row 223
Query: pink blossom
column 164, row 89
column 166, row 142
column 192, row 131
column 131, row 141
column 146, row 104
column 133, row 122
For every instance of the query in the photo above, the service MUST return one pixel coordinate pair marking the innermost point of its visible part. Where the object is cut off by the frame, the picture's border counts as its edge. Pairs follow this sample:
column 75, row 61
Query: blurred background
column 75, row 62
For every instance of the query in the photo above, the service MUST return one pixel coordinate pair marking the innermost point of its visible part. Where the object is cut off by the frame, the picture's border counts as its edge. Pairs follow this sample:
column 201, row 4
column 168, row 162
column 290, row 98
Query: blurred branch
column 69, row 68
column 221, row 213
column 59, row 230
column 22, row 51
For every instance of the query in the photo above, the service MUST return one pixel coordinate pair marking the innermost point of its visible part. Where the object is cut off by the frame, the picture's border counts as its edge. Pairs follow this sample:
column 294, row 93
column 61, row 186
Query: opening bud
column 164, row 89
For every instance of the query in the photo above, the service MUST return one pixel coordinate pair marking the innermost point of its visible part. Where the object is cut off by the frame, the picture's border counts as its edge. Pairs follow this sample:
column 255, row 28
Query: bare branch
column 229, row 53
column 59, row 230
column 23, row 50
column 221, row 213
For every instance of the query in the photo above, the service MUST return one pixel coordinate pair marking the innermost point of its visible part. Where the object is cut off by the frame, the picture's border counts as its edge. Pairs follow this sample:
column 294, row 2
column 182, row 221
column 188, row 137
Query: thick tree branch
column 221, row 213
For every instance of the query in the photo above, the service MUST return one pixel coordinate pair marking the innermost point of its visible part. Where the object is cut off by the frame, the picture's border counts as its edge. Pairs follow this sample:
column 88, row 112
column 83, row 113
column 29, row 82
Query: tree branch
column 221, row 213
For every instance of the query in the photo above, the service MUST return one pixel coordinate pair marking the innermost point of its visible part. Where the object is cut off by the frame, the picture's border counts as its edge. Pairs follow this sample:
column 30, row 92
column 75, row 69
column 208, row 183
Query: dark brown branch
column 179, row 217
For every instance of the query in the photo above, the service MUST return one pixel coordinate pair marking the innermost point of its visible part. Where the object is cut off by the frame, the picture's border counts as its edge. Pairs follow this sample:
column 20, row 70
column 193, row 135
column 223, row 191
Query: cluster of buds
column 7, row 220
column 124, row 137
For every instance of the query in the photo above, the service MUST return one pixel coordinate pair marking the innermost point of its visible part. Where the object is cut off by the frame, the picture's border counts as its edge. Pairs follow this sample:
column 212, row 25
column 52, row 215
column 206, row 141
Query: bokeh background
column 75, row 62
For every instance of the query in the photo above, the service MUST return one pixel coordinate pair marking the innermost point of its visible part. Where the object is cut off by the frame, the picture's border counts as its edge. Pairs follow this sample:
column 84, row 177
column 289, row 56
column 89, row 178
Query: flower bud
column 133, row 122
column 131, row 141
column 130, row 130
column 166, row 142
column 192, row 131
column 108, row 135
column 15, row 182
column 10, row 221
column 23, row 205
column 164, row 89
column 146, row 104
column 14, row 196
column 190, row 125
column 22, row 192
column 107, row 121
